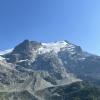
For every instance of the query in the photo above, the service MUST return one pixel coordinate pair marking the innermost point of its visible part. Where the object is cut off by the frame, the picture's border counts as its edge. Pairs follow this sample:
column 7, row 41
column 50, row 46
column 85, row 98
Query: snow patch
column 23, row 60
column 6, row 51
column 53, row 46
column 1, row 58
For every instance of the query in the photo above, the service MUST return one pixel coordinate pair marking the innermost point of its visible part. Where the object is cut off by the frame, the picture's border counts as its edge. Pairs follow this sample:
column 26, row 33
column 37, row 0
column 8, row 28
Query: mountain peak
column 26, row 46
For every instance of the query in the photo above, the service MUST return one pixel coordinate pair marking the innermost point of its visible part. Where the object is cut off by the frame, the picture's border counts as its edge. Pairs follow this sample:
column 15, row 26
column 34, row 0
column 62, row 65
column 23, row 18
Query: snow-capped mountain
column 32, row 67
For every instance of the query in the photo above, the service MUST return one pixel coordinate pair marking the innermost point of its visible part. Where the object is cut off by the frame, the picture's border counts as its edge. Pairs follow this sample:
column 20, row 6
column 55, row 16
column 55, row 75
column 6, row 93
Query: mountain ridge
column 33, row 66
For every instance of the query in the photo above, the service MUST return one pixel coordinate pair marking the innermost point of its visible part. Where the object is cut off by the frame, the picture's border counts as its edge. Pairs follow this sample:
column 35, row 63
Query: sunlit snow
column 53, row 46
column 5, row 51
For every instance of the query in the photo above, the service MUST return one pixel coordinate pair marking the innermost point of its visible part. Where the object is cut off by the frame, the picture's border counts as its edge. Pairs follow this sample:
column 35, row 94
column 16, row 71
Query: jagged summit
column 31, row 49
column 26, row 46
column 29, row 46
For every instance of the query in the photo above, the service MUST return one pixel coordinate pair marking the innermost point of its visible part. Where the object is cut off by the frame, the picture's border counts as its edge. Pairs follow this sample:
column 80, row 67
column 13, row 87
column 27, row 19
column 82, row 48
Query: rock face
column 26, row 47
column 23, row 51
column 33, row 70
column 74, row 91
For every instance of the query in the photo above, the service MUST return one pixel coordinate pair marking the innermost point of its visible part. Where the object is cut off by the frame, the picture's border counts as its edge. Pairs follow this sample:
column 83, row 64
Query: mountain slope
column 33, row 67
column 74, row 91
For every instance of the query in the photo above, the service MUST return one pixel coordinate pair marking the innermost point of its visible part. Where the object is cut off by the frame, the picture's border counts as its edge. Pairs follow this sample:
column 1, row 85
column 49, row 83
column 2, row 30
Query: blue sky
column 77, row 21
